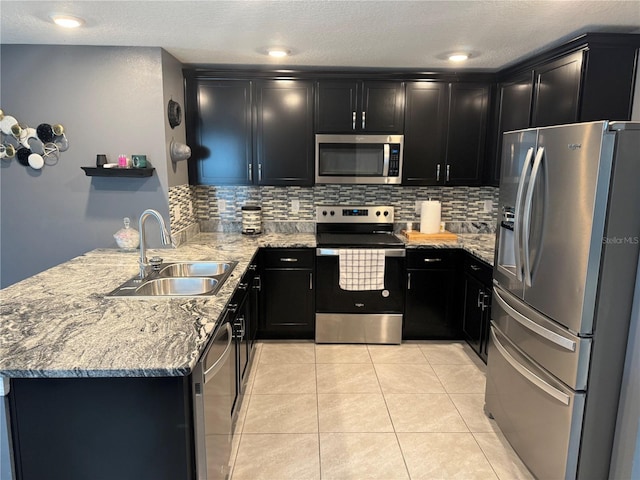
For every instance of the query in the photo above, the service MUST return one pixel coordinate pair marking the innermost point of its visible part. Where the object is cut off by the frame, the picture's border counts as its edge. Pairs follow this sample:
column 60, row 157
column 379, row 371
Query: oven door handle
column 333, row 252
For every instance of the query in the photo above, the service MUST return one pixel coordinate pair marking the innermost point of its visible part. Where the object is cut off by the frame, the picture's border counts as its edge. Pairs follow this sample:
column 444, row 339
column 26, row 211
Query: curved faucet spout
column 164, row 234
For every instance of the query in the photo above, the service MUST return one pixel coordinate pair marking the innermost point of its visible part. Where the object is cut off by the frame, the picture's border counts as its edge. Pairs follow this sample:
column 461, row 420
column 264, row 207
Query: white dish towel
column 361, row 269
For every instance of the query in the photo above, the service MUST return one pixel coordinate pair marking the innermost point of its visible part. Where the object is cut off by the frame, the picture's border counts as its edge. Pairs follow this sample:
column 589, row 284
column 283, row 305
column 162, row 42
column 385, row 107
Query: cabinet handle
column 243, row 286
column 475, row 268
column 251, row 172
column 257, row 283
column 408, row 281
column 448, row 167
column 288, row 259
column 363, row 121
column 259, row 172
column 353, row 121
column 239, row 324
column 485, row 305
column 432, row 260
column 478, row 300
column 437, row 172
column 311, row 281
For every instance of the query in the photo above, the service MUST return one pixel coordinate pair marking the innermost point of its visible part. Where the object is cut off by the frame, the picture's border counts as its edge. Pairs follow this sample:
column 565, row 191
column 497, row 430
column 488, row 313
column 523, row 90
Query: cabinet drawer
column 421, row 258
column 478, row 269
column 289, row 258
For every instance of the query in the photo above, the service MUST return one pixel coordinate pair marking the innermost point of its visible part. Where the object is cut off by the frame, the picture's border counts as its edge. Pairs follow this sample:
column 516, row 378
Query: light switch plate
column 488, row 206
column 222, row 205
column 295, row 205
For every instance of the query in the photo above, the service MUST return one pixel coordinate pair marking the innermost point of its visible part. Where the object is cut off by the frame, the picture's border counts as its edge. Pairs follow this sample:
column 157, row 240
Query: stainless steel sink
column 178, row 279
column 194, row 269
column 178, row 286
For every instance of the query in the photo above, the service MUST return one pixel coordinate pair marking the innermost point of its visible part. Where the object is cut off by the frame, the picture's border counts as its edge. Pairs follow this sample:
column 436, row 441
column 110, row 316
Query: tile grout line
column 395, row 433
column 315, row 369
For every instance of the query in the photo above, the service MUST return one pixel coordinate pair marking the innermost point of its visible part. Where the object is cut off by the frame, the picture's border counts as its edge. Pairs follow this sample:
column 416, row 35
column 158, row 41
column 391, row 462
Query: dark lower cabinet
column 477, row 304
column 288, row 305
column 102, row 428
column 431, row 306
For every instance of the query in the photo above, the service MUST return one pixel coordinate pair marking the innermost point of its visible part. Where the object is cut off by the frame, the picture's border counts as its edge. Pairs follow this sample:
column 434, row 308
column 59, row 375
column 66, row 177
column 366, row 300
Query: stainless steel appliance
column 364, row 159
column 564, row 276
column 214, row 392
column 348, row 314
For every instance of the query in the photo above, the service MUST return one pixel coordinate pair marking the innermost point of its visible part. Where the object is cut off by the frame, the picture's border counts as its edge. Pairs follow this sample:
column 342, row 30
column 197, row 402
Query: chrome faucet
column 166, row 238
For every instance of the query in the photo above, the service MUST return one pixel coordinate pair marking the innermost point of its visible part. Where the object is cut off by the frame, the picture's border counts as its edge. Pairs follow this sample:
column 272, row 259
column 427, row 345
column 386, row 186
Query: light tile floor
column 341, row 412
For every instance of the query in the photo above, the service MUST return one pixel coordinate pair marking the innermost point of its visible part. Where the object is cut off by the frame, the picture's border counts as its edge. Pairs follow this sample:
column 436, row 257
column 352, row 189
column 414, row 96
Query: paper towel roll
column 430, row 216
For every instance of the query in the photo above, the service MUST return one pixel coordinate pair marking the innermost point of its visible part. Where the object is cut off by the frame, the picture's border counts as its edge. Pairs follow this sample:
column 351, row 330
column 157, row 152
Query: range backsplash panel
column 222, row 204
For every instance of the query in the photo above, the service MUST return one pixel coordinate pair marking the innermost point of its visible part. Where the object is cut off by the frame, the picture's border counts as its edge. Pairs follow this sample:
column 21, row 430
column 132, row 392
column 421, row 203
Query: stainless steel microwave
column 359, row 159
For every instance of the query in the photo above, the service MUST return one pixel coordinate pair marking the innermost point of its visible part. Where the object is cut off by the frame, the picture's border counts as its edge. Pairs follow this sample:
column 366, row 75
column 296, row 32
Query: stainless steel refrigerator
column 567, row 248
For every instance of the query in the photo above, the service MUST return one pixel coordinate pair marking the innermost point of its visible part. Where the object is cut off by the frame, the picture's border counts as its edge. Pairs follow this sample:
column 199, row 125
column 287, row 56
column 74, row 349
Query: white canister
column 251, row 219
column 430, row 216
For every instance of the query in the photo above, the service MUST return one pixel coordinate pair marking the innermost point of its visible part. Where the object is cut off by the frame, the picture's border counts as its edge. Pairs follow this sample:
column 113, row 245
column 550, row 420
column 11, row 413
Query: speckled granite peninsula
column 60, row 324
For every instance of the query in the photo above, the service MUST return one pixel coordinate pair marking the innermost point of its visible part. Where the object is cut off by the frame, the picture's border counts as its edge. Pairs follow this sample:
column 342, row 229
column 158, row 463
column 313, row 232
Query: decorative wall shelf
column 117, row 172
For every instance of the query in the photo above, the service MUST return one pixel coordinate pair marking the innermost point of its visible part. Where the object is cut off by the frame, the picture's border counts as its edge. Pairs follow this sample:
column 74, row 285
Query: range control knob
column 386, row 214
column 378, row 213
column 332, row 213
column 324, row 213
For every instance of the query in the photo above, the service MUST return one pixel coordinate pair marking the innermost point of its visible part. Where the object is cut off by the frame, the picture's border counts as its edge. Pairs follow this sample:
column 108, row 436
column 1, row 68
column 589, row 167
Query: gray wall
column 173, row 88
column 625, row 462
column 110, row 100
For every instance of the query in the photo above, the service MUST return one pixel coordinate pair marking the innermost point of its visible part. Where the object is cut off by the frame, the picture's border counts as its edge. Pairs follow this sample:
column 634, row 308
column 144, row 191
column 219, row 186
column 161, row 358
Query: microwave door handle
column 526, row 228
column 516, row 220
column 385, row 160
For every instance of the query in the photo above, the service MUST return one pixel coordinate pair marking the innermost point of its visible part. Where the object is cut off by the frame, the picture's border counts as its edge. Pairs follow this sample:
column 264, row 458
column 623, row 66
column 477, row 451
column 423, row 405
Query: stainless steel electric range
column 359, row 271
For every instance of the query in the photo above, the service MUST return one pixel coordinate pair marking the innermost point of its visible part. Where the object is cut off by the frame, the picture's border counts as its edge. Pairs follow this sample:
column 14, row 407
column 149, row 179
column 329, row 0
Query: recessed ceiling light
column 278, row 52
column 67, row 21
column 459, row 57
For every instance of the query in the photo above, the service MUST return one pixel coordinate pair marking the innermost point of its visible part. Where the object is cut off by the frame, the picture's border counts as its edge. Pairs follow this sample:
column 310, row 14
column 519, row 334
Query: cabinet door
column 424, row 128
column 221, row 132
column 514, row 108
column 472, row 319
column 466, row 134
column 288, row 308
column 336, row 106
column 382, row 107
column 429, row 307
column 284, row 132
column 556, row 91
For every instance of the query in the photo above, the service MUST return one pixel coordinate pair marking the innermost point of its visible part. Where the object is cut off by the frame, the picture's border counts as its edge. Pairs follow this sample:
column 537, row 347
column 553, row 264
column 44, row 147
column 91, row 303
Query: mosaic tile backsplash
column 222, row 204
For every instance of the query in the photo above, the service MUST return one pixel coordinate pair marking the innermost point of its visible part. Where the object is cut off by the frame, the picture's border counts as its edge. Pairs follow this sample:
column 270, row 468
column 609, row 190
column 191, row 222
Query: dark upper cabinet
column 347, row 106
column 514, row 110
column 445, row 133
column 284, row 141
column 556, row 91
column 586, row 80
column 424, row 131
column 219, row 132
column 466, row 135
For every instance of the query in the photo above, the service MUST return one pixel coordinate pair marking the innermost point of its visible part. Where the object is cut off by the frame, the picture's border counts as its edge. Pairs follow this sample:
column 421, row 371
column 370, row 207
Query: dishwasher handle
column 210, row 372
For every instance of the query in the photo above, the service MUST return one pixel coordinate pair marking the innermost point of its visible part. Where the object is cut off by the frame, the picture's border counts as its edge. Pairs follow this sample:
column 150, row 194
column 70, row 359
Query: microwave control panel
column 394, row 160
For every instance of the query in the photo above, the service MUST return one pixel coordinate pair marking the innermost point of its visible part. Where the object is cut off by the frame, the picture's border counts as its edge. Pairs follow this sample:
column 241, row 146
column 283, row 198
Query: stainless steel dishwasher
column 214, row 389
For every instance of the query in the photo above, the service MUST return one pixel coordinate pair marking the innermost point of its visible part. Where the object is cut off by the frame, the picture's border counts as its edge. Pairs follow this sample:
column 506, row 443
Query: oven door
column 366, row 159
column 330, row 298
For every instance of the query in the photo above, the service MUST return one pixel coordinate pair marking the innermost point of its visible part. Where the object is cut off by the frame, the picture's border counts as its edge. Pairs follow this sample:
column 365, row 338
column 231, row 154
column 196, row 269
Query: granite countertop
column 59, row 323
column 482, row 245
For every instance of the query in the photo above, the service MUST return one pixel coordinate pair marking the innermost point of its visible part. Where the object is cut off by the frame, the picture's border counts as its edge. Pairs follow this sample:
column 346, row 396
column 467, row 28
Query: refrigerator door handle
column 528, row 202
column 517, row 221
column 533, row 326
column 529, row 375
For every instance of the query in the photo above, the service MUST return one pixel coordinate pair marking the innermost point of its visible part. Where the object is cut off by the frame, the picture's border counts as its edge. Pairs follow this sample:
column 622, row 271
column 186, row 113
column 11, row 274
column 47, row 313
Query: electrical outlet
column 295, row 205
column 488, row 206
column 222, row 205
column 177, row 215
column 418, row 206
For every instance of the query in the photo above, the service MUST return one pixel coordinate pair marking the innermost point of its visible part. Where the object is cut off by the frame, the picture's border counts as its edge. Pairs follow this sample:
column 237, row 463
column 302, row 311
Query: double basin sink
column 178, row 279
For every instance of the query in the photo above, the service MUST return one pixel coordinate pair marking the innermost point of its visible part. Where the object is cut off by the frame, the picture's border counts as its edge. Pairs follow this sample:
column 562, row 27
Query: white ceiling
column 392, row 33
